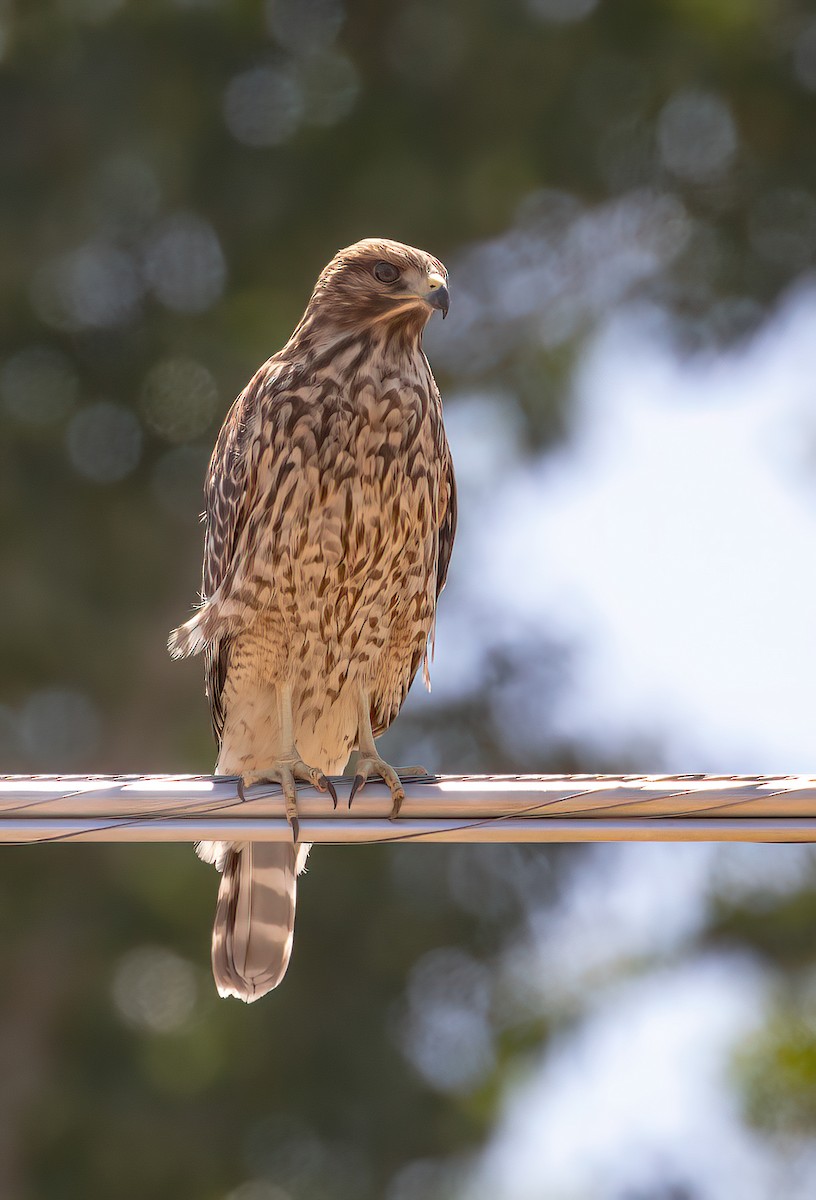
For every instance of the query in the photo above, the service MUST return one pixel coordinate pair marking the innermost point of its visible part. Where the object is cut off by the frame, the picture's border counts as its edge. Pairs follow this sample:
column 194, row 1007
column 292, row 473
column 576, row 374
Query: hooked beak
column 437, row 295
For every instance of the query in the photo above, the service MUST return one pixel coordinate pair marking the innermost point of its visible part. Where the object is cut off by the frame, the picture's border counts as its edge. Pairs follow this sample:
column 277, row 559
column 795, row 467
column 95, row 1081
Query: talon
column 359, row 780
column 398, row 799
column 295, row 823
column 331, row 789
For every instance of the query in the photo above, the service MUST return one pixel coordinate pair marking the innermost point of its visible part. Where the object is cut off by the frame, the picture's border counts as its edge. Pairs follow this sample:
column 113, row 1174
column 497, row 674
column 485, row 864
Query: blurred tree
column 173, row 174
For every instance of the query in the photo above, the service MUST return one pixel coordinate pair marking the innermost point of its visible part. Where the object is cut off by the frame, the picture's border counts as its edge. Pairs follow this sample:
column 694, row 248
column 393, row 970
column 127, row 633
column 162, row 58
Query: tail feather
column 254, row 919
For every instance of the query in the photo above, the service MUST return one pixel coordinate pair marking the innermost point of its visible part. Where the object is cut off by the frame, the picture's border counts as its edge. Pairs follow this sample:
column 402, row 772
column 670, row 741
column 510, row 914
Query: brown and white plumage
column 330, row 518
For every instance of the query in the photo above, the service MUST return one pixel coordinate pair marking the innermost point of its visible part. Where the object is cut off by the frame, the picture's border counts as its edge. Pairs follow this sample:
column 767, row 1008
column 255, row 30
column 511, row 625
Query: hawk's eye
column 386, row 272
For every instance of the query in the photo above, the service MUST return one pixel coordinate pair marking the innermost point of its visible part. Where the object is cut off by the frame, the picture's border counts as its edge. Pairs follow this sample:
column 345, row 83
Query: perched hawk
column 330, row 517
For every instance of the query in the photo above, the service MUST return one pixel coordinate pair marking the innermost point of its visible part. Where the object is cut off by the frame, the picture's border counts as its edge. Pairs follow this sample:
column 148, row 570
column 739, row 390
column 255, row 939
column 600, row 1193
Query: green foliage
column 776, row 1072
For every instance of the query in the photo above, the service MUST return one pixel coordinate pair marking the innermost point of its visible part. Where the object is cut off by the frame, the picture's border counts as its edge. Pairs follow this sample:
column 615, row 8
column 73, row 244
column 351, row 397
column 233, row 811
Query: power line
column 451, row 808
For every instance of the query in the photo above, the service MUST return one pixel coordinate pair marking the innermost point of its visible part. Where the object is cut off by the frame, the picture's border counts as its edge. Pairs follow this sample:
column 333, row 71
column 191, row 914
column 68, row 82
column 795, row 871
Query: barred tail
column 254, row 919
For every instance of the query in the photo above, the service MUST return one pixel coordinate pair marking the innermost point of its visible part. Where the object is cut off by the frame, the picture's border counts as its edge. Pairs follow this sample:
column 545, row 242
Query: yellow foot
column 372, row 764
column 285, row 772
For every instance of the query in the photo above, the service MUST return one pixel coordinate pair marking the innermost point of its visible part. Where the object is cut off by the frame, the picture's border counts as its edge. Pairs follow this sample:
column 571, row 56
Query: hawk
column 330, row 518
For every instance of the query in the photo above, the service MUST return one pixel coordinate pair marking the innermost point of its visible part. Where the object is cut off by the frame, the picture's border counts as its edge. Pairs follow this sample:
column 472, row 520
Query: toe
column 287, row 782
column 397, row 796
column 290, row 802
column 391, row 777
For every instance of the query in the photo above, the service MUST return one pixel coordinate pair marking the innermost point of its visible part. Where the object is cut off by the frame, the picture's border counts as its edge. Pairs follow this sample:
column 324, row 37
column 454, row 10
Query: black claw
column 396, row 809
column 359, row 780
column 295, row 823
column 330, row 788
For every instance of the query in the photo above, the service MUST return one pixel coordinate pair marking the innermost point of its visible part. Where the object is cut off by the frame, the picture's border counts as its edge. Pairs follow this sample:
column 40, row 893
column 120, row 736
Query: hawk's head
column 380, row 282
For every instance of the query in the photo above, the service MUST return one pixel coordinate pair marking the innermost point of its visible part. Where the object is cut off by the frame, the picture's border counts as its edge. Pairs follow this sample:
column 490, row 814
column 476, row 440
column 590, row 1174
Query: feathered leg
column 370, row 763
column 290, row 766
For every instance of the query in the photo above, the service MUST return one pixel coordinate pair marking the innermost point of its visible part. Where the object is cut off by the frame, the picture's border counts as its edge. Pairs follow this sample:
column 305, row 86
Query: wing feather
column 229, row 492
column 384, row 710
column 447, row 530
column 252, row 429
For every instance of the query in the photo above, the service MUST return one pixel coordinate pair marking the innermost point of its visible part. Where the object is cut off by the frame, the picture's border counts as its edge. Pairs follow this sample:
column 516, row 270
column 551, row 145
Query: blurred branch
column 477, row 808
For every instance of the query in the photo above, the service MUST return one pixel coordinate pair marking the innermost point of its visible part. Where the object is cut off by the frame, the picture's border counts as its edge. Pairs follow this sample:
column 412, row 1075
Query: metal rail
column 451, row 808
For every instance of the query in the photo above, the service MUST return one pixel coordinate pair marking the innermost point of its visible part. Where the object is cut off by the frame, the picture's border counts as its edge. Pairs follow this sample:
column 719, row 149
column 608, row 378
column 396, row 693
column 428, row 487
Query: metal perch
column 450, row 808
